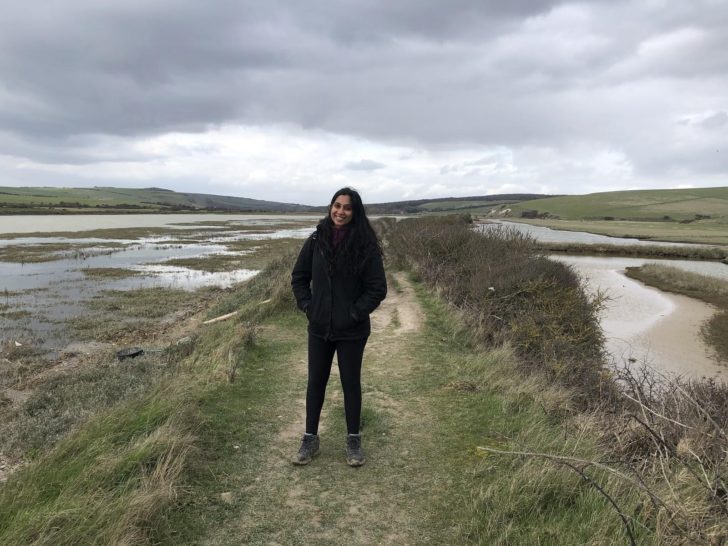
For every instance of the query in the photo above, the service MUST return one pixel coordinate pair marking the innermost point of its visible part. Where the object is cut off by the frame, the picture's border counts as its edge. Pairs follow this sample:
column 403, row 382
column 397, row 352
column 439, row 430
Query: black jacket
column 337, row 303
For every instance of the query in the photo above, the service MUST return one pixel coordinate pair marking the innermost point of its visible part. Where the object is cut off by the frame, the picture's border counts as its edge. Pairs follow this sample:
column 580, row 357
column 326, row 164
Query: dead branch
column 220, row 318
column 574, row 460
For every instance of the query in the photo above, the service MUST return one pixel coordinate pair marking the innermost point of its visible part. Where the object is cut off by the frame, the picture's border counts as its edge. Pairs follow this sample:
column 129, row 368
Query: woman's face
column 341, row 211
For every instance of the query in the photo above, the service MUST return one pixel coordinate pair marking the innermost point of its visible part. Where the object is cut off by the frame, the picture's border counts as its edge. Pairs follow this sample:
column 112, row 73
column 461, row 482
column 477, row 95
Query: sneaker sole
column 354, row 462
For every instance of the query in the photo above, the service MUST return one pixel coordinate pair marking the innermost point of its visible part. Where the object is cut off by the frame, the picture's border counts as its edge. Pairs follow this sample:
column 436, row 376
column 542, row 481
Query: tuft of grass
column 134, row 316
column 109, row 273
column 685, row 252
column 59, row 404
column 35, row 253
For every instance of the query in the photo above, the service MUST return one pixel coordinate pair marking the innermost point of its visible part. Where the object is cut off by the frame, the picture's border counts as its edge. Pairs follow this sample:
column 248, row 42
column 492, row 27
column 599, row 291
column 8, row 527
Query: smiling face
column 341, row 211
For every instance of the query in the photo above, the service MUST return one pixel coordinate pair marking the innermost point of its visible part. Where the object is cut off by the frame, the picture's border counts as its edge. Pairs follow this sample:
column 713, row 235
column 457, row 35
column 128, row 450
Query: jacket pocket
column 342, row 319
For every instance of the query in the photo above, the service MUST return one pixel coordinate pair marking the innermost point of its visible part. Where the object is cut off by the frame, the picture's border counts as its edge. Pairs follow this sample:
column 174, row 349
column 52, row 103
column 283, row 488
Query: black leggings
column 320, row 356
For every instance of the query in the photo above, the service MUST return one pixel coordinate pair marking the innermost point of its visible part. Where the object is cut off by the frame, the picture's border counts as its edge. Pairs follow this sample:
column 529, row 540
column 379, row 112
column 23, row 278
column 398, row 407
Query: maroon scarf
column 337, row 237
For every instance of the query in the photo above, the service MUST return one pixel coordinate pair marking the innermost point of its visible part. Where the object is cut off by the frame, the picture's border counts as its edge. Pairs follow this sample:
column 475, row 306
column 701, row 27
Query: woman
column 338, row 280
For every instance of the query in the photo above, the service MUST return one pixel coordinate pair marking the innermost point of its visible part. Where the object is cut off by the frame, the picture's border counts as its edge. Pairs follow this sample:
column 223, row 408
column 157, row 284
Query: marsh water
column 37, row 297
column 87, row 222
column 549, row 235
column 645, row 325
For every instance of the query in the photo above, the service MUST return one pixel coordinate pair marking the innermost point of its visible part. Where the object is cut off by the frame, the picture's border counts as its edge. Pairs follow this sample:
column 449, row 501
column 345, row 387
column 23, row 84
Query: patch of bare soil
column 328, row 502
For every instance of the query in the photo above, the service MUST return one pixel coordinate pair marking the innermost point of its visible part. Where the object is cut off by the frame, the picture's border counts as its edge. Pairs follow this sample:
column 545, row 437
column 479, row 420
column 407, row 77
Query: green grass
column 29, row 200
column 454, row 206
column 697, row 215
column 499, row 499
column 662, row 205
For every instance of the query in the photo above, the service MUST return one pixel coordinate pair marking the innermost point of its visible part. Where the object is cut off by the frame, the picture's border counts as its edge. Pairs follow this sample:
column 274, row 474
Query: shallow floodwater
column 645, row 325
column 86, row 222
column 38, row 297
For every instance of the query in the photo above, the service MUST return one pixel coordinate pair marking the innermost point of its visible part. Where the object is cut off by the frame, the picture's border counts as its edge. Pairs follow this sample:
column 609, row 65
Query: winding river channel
column 643, row 324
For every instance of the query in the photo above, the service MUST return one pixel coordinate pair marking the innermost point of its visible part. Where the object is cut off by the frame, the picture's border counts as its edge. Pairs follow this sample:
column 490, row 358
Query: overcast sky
column 289, row 100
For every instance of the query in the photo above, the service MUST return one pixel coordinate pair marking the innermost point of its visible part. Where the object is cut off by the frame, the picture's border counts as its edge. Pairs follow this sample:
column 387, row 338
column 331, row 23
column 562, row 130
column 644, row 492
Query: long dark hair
column 361, row 240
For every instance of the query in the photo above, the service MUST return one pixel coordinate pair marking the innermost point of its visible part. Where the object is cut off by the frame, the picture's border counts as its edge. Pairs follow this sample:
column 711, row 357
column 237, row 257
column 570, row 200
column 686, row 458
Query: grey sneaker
column 354, row 453
column 308, row 450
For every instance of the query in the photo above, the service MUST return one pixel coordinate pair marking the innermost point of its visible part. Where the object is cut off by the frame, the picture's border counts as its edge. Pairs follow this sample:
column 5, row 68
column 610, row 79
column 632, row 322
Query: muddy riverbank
column 645, row 325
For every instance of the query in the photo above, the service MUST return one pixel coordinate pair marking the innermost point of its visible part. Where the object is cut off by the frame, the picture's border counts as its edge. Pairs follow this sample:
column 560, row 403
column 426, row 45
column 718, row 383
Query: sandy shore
column 643, row 324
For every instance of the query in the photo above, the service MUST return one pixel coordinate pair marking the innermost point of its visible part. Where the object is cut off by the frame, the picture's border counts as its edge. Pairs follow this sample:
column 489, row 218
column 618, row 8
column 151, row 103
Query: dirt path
column 328, row 502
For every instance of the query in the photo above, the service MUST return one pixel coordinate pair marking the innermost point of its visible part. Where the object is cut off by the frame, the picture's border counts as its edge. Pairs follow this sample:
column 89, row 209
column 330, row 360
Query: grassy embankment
column 697, row 215
column 707, row 289
column 708, row 253
column 664, row 440
column 116, row 479
column 515, row 369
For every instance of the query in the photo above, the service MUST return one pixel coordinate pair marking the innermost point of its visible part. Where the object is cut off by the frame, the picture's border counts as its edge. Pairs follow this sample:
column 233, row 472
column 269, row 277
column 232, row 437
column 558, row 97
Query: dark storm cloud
column 483, row 73
column 144, row 67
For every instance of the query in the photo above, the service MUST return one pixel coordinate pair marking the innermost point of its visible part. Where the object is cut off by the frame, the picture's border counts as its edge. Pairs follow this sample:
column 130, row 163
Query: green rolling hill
column 639, row 205
column 45, row 200
column 48, row 200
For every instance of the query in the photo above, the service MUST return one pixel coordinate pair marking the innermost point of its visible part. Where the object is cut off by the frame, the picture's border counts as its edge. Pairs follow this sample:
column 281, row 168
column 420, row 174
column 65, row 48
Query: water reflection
column 38, row 297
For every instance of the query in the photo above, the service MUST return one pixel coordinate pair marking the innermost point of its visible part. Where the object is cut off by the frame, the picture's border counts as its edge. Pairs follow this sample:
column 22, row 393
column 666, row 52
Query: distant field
column 691, row 215
column 464, row 206
column 640, row 205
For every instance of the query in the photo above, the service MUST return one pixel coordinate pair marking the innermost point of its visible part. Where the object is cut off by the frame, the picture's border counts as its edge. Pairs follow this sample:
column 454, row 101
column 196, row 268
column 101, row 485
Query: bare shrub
column 508, row 291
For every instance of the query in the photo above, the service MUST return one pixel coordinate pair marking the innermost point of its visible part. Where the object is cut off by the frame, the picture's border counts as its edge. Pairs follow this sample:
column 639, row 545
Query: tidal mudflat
column 48, row 277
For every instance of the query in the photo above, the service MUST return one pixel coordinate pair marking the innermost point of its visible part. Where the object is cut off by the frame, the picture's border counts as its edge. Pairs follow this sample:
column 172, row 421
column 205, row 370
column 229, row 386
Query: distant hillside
column 47, row 200
column 682, row 205
column 475, row 204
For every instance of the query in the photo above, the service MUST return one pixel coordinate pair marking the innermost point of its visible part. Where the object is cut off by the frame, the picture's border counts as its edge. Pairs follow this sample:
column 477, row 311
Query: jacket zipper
column 331, row 296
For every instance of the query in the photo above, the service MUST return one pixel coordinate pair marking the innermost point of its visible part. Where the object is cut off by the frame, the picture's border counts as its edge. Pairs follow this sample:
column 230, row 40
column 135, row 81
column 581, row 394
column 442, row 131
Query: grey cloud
column 515, row 74
column 716, row 121
column 364, row 165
